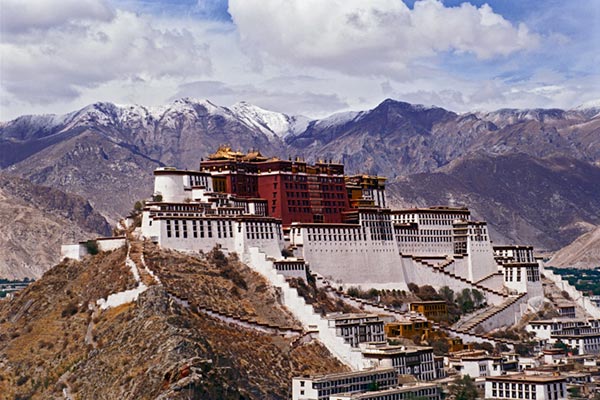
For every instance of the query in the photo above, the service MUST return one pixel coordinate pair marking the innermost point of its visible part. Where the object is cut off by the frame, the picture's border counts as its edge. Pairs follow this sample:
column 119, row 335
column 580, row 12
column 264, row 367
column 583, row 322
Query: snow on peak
column 592, row 104
column 270, row 123
column 339, row 119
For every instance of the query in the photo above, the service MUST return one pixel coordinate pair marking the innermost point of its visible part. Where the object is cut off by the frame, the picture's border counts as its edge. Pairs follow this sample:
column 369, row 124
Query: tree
column 413, row 287
column 440, row 347
column 478, row 297
column 427, row 292
column 92, row 247
column 465, row 301
column 463, row 388
column 447, row 294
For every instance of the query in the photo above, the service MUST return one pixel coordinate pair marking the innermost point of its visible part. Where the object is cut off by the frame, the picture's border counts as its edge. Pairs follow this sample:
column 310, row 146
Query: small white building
column 523, row 386
column 514, row 254
column 478, row 363
column 522, row 277
column 321, row 387
column 79, row 250
column 418, row 361
column 581, row 335
column 421, row 390
column 357, row 328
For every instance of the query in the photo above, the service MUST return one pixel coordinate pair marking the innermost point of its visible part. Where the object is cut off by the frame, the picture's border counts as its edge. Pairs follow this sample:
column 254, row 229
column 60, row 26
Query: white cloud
column 24, row 16
column 55, row 58
column 374, row 37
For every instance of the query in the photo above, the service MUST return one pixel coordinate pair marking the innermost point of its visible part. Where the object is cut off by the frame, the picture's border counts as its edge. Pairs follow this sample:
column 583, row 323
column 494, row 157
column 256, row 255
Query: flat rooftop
column 526, row 378
column 339, row 375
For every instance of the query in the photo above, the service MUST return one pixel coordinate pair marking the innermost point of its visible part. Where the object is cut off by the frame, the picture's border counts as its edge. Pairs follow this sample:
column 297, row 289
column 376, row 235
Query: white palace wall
column 575, row 294
column 355, row 261
column 481, row 260
column 304, row 312
column 227, row 233
column 423, row 275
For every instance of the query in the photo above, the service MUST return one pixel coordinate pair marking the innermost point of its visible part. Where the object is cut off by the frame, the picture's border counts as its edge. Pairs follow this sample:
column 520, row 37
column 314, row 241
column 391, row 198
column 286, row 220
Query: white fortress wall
column 353, row 259
column 423, row 275
column 266, row 235
column 575, row 294
column 481, row 259
column 111, row 243
column 74, row 251
column 494, row 282
column 507, row 317
column 207, row 236
column 304, row 312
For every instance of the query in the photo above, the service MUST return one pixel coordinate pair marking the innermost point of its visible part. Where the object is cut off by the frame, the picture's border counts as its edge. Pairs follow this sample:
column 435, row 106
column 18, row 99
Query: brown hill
column 583, row 252
column 35, row 220
column 156, row 347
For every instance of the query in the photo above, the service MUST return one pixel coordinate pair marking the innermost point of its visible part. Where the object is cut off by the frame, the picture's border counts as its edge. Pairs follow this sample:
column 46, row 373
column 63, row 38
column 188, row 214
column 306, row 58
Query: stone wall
column 575, row 294
column 304, row 312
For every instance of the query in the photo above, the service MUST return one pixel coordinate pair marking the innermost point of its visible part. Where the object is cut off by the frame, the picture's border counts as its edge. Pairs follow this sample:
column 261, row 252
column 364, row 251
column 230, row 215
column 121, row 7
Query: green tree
column 463, row 388
column 478, row 297
column 92, row 247
column 465, row 301
column 447, row 294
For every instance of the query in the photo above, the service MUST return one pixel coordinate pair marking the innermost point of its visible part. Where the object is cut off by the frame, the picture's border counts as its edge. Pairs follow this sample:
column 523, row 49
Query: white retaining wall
column 304, row 312
column 509, row 316
column 495, row 282
column 422, row 275
column 575, row 294
column 73, row 251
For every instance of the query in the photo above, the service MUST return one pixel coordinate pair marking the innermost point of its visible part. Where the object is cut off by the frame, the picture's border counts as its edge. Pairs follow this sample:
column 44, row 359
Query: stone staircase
column 239, row 320
column 474, row 285
column 468, row 325
column 303, row 312
column 379, row 308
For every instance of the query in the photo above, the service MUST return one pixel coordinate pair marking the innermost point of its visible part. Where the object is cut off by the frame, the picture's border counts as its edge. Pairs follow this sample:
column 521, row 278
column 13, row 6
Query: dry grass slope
column 153, row 348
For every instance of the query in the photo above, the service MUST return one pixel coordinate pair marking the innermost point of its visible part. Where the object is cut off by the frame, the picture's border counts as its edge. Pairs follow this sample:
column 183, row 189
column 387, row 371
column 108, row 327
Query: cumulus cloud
column 53, row 57
column 24, row 16
column 377, row 36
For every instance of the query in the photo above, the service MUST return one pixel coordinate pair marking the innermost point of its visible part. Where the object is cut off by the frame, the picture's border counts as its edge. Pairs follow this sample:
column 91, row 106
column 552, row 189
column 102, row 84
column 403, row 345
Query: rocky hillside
column 35, row 220
column 165, row 345
column 398, row 139
column 584, row 252
column 106, row 153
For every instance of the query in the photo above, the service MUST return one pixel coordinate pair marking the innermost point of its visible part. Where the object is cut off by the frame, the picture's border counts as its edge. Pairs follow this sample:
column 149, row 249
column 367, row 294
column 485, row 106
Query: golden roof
column 224, row 152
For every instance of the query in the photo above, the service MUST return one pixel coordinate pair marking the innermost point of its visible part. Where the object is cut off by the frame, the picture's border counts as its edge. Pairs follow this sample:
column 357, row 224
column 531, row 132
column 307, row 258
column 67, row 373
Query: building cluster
column 292, row 219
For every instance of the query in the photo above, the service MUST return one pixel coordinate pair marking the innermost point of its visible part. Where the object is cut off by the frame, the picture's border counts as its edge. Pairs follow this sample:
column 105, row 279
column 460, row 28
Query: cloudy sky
column 311, row 57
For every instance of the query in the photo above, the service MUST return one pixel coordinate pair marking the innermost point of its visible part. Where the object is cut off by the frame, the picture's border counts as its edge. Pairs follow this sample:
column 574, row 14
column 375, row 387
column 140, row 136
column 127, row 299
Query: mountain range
column 532, row 174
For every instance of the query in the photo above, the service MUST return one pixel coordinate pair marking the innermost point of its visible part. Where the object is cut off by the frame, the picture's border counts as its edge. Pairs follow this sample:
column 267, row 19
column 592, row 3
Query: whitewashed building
column 522, row 386
column 421, row 390
column 357, row 328
column 321, row 387
column 418, row 361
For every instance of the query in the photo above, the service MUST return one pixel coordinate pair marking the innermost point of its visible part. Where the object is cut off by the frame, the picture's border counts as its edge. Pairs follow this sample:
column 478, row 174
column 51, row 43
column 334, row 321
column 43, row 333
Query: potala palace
column 290, row 219
column 337, row 226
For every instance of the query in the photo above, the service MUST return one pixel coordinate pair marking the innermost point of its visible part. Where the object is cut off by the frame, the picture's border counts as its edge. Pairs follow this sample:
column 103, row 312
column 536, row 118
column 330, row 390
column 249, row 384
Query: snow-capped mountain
column 271, row 123
column 106, row 153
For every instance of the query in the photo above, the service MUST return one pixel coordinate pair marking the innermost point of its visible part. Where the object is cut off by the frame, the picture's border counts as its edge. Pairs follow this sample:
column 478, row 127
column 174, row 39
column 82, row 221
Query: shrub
column 92, row 247
column 69, row 310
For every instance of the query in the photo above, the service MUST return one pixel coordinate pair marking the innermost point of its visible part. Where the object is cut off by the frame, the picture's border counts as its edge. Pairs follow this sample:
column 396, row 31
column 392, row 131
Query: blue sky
column 311, row 57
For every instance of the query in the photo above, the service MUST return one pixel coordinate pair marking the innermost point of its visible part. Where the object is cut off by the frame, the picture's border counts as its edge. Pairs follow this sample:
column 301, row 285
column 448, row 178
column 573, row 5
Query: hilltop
column 195, row 331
